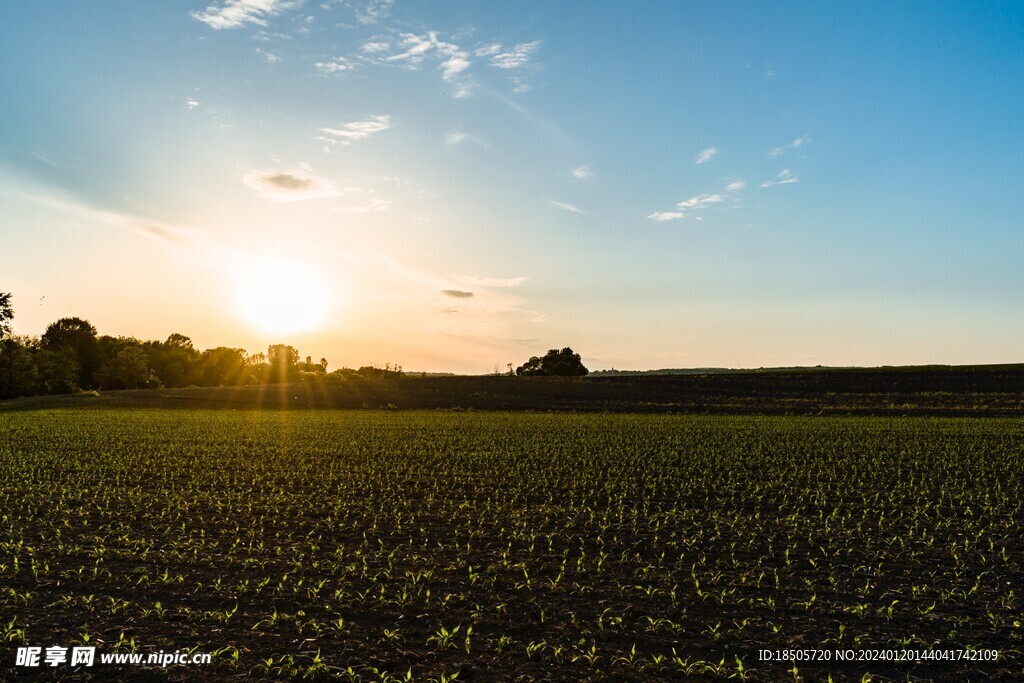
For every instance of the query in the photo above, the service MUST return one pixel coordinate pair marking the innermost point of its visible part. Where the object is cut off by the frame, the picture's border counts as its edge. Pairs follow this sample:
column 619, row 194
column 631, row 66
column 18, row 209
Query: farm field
column 393, row 545
column 934, row 391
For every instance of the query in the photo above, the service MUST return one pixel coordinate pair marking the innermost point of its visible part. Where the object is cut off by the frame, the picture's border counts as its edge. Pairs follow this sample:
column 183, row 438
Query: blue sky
column 452, row 186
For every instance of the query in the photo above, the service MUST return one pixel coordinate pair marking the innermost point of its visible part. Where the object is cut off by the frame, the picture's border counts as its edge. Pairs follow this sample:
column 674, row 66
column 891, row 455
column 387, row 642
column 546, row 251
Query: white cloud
column 565, row 207
column 783, row 178
column 289, row 186
column 235, row 13
column 488, row 50
column 373, row 11
column 666, row 215
column 415, row 49
column 582, row 173
column 191, row 103
column 454, row 137
column 338, row 65
column 516, row 57
column 270, row 57
column 359, row 130
column 454, row 65
column 706, row 155
column 736, row 186
column 411, row 51
column 796, row 144
column 701, row 201
column 695, row 203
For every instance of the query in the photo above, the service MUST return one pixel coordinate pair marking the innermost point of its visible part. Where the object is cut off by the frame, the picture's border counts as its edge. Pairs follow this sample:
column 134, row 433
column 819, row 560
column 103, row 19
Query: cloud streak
column 335, row 67
column 514, row 58
column 235, row 13
column 565, row 207
column 666, row 215
column 457, row 293
column 582, row 173
column 705, row 155
column 801, row 141
column 373, row 11
column 784, row 178
column 695, row 203
column 359, row 130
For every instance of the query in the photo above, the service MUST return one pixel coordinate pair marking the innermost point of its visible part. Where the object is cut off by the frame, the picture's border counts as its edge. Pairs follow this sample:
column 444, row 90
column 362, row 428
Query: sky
column 456, row 186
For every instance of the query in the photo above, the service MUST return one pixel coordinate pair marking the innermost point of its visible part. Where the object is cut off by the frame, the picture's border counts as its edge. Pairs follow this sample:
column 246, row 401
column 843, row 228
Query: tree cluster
column 71, row 356
column 554, row 363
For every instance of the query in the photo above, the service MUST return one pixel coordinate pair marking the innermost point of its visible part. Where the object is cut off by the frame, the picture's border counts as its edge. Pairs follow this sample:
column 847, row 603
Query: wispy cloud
column 783, row 178
column 705, row 155
column 457, row 293
column 701, row 201
column 39, row 154
column 375, row 47
column 454, row 137
column 736, row 186
column 373, row 11
column 235, row 13
column 565, row 207
column 191, row 103
column 170, row 235
column 695, row 203
column 666, row 215
column 411, row 51
column 289, row 186
column 582, row 173
column 796, row 144
column 454, row 60
column 515, row 57
column 269, row 57
column 359, row 130
column 336, row 66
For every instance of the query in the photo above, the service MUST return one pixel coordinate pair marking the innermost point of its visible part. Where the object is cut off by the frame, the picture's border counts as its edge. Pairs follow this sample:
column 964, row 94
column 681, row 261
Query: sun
column 280, row 297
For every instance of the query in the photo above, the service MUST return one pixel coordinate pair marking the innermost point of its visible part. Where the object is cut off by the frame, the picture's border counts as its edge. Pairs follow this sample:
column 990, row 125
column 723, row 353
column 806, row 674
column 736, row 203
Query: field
column 985, row 390
column 393, row 545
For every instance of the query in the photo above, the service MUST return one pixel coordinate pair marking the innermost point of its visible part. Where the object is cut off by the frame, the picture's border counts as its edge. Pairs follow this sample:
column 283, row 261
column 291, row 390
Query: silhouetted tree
column 222, row 366
column 564, row 363
column 174, row 361
column 21, row 376
column 70, row 355
column 283, row 361
column 128, row 369
column 6, row 316
column 75, row 340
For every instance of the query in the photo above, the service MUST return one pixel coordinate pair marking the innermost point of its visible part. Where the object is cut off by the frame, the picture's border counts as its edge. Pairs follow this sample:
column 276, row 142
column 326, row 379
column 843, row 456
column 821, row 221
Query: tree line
column 71, row 356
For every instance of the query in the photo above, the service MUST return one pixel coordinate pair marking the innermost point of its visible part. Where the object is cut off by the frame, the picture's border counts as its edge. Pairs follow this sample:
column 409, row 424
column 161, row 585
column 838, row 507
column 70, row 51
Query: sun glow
column 281, row 297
